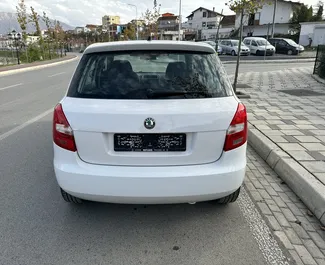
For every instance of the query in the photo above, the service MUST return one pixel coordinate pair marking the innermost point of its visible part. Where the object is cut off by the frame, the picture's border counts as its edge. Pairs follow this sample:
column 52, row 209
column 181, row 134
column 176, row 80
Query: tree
column 130, row 32
column 48, row 24
column 34, row 19
column 150, row 18
column 22, row 17
column 243, row 7
column 319, row 14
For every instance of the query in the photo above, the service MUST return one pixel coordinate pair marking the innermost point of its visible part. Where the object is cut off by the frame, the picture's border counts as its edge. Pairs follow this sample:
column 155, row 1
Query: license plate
column 150, row 142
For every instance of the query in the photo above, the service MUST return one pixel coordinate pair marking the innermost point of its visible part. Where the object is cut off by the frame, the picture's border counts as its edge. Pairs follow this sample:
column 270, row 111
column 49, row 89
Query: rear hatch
column 204, row 123
column 184, row 95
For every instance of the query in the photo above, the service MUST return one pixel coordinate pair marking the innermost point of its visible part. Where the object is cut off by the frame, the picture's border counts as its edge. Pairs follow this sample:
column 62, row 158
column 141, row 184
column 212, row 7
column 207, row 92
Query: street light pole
column 273, row 23
column 136, row 19
column 15, row 37
column 180, row 20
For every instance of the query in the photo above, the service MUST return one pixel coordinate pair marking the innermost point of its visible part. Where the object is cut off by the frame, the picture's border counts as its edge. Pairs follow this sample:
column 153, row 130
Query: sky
column 82, row 12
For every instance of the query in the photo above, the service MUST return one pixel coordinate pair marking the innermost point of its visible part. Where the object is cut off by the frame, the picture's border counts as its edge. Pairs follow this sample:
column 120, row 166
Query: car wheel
column 233, row 53
column 258, row 53
column 69, row 198
column 290, row 52
column 230, row 198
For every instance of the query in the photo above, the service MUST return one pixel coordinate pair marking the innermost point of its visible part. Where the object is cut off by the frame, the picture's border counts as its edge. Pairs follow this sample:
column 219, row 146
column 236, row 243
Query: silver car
column 231, row 47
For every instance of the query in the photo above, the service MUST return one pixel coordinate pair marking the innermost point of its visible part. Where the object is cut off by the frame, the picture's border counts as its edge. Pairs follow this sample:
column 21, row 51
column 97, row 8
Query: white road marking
column 261, row 232
column 25, row 124
column 57, row 74
column 4, row 88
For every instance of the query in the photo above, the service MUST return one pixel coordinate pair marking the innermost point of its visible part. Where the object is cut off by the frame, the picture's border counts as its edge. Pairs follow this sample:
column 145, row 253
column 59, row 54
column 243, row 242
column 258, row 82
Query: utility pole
column 217, row 36
column 180, row 20
column 273, row 23
column 239, row 48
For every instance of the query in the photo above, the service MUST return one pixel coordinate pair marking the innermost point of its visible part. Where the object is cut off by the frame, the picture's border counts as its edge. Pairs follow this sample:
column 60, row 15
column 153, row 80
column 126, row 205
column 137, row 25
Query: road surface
column 38, row 227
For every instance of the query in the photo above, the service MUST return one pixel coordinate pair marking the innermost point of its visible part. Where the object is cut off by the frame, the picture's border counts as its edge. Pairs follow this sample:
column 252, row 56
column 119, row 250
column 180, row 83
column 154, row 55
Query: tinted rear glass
column 149, row 75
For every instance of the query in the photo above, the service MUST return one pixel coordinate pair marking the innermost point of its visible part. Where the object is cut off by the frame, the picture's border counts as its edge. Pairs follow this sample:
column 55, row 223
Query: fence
column 319, row 67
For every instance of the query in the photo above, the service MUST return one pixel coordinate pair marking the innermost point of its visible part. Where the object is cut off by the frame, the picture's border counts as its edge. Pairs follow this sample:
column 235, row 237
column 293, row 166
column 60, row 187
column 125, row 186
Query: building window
column 204, row 14
column 204, row 24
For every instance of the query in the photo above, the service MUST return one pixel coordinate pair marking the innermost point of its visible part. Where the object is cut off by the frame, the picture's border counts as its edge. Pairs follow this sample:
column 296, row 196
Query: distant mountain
column 8, row 22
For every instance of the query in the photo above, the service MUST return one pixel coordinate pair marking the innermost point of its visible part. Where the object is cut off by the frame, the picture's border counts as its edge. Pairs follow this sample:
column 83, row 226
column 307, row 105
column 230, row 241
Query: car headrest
column 121, row 66
column 175, row 69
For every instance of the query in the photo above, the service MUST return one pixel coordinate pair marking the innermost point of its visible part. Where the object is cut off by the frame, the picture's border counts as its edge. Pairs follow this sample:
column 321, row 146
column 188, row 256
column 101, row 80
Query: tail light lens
column 237, row 131
column 62, row 132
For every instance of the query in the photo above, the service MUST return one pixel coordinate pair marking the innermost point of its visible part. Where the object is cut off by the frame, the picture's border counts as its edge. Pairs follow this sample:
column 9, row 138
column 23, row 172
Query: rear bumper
column 150, row 185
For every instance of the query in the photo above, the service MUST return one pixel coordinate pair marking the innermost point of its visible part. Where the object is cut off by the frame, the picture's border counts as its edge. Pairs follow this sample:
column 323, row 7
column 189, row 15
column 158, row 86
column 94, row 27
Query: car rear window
column 149, row 75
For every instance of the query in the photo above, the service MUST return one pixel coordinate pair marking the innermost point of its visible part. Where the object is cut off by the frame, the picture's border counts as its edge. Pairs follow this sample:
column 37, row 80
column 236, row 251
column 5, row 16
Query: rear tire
column 230, row 198
column 69, row 198
column 233, row 53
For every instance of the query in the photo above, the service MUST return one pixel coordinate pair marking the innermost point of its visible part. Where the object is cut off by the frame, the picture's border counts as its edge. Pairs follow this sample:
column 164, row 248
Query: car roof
column 255, row 38
column 149, row 45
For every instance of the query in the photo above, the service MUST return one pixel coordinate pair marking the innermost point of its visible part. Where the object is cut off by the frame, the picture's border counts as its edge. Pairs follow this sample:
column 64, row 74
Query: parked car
column 214, row 45
column 286, row 46
column 231, row 47
column 259, row 46
column 140, row 131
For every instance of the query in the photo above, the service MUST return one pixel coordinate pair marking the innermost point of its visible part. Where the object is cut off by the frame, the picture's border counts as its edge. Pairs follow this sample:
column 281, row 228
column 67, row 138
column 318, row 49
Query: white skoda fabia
column 150, row 122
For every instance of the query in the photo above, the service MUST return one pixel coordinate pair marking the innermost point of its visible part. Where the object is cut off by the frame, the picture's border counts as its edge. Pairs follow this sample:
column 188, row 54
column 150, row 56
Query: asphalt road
column 38, row 227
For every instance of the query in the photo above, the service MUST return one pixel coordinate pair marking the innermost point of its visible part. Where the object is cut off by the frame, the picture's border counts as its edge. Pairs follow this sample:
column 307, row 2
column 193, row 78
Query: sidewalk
column 287, row 129
column 4, row 70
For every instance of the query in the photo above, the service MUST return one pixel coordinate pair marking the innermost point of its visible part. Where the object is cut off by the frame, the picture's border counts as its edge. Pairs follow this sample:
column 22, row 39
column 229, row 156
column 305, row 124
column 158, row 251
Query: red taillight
column 237, row 131
column 62, row 132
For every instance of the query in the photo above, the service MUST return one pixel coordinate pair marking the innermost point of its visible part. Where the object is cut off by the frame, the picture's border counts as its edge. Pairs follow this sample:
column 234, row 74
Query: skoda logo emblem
column 149, row 123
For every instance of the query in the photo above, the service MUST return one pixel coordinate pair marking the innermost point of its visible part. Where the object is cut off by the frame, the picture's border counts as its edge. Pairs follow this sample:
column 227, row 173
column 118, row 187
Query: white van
column 258, row 45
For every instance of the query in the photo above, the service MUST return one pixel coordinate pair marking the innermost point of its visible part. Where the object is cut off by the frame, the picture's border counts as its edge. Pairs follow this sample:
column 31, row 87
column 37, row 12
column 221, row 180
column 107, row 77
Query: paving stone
column 292, row 235
column 293, row 197
column 314, row 166
column 294, row 209
column 274, row 127
column 306, row 224
column 290, row 139
column 288, row 215
column 272, row 132
column 275, row 122
column 264, row 194
column 292, row 132
column 291, row 147
column 318, row 240
column 306, row 132
column 289, row 122
column 321, row 138
column 284, row 197
column 305, row 255
column 278, row 138
column 301, row 121
column 316, row 155
column 301, row 155
column 279, row 201
column 301, row 232
column 320, row 126
column 256, row 196
column 306, row 127
column 320, row 261
column 296, row 257
column 289, row 127
column 313, row 249
column 281, row 219
column 264, row 208
column 263, row 127
column 307, row 139
column 276, row 187
column 250, row 186
column 257, row 184
column 284, row 239
column 313, row 146
column 270, row 190
column 318, row 132
column 273, row 223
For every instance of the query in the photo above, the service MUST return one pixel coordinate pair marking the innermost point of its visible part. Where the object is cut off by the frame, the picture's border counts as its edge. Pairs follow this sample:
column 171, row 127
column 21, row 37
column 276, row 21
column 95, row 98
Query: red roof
column 167, row 15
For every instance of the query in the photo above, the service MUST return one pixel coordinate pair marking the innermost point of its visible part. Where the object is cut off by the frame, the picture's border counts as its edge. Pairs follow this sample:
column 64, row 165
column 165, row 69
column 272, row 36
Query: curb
column 318, row 79
column 310, row 190
column 272, row 61
column 31, row 68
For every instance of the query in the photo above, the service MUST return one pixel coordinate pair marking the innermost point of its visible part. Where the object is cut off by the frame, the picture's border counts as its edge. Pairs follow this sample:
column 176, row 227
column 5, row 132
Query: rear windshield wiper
column 162, row 94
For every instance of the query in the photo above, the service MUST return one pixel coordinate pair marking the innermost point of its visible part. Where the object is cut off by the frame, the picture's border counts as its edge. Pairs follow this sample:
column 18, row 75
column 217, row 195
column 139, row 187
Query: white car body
column 231, row 47
column 87, row 165
column 257, row 46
